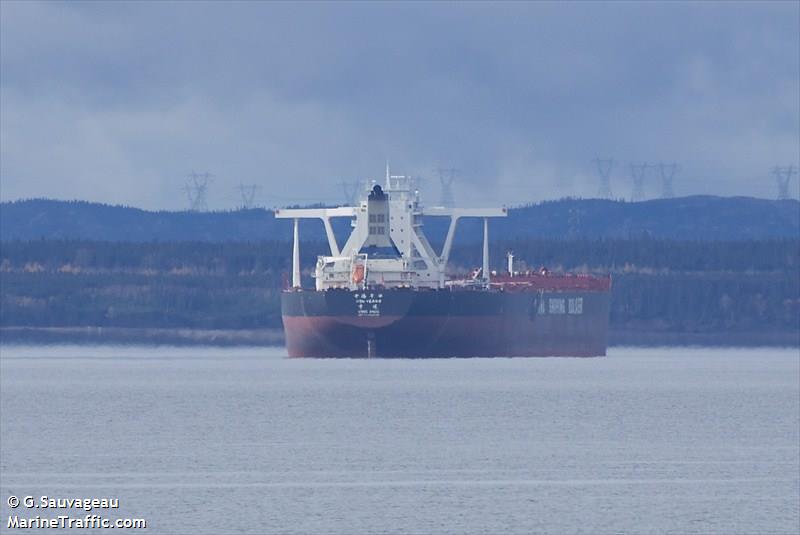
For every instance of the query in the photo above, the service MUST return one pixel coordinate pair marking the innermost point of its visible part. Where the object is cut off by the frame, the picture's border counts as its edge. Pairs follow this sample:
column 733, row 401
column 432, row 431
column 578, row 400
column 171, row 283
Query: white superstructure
column 387, row 246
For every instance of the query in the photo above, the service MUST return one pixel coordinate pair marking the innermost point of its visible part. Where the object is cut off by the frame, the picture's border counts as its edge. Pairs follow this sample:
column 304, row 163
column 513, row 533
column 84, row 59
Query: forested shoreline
column 669, row 291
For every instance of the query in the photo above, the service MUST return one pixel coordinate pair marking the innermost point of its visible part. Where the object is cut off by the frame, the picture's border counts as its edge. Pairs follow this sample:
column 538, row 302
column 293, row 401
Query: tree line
column 658, row 285
column 611, row 255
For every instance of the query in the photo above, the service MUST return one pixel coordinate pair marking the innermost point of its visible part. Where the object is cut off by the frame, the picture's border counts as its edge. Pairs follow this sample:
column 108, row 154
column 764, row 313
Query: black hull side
column 403, row 323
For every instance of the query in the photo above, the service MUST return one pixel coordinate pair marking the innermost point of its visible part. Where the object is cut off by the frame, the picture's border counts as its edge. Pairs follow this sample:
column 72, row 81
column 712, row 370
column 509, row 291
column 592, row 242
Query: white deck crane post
column 296, row 255
column 486, row 250
column 458, row 213
column 325, row 214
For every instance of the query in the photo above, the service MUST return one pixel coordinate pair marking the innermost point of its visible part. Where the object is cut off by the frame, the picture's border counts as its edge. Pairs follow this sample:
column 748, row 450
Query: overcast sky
column 117, row 102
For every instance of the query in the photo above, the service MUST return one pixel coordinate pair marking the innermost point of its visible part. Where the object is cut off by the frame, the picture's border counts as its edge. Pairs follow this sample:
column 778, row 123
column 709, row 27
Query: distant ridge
column 683, row 218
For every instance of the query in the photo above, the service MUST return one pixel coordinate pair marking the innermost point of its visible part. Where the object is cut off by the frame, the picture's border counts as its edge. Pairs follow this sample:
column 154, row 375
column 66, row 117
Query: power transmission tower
column 604, row 168
column 783, row 176
column 667, row 174
column 248, row 193
column 446, row 178
column 351, row 191
column 196, row 189
column 637, row 174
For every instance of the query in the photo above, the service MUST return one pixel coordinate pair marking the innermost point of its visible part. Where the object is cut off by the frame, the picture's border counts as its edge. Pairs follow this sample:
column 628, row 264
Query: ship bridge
column 387, row 246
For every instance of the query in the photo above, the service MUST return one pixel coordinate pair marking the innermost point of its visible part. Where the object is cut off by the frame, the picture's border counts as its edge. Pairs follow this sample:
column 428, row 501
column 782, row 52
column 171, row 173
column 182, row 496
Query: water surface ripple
column 202, row 440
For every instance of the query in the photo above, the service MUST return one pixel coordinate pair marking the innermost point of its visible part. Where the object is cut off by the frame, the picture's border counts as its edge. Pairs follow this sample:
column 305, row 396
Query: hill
column 685, row 218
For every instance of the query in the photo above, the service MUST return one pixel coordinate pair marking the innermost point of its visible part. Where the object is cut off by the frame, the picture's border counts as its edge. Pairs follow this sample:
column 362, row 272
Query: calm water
column 247, row 441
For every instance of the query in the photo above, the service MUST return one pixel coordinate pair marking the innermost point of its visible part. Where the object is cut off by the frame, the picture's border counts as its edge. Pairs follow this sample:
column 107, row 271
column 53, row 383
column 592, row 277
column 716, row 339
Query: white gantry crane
column 387, row 246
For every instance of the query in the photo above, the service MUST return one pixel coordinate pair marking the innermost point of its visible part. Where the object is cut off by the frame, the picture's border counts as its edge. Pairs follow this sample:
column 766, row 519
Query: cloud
column 117, row 102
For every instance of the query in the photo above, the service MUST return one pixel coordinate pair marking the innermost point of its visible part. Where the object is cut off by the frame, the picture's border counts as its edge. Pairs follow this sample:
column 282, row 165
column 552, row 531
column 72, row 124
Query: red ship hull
column 445, row 323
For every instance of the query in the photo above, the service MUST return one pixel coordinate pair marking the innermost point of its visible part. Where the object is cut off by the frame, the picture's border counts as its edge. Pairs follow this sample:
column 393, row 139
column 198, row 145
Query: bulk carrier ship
column 386, row 292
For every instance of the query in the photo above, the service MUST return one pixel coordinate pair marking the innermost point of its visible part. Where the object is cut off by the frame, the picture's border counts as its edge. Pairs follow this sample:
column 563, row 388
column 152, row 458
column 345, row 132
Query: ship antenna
column 387, row 175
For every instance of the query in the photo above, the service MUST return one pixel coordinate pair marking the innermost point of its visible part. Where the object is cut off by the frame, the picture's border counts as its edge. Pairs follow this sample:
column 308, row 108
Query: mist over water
column 202, row 440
